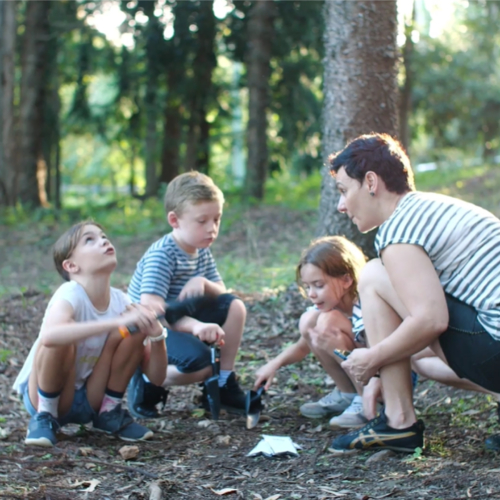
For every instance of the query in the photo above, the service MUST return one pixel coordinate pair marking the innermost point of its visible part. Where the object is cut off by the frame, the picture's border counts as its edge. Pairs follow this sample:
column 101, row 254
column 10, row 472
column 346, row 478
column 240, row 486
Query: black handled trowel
column 212, row 384
column 253, row 406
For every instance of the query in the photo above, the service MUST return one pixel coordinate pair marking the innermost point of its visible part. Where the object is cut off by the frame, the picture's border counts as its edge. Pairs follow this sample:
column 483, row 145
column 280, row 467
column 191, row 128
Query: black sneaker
column 142, row 397
column 493, row 442
column 232, row 398
column 376, row 434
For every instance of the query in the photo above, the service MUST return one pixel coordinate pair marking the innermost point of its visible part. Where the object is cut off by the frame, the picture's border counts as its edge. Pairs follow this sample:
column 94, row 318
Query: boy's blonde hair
column 191, row 187
column 335, row 256
column 66, row 244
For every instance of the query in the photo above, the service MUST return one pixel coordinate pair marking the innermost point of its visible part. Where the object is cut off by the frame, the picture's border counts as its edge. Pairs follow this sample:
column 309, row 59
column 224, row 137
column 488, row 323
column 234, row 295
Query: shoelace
column 356, row 406
column 47, row 420
column 332, row 397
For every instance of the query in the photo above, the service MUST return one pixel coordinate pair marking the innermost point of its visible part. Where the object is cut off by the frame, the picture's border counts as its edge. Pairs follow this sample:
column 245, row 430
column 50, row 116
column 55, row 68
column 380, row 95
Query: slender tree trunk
column 31, row 164
column 259, row 51
column 198, row 143
column 8, row 176
column 360, row 91
column 405, row 102
column 172, row 134
column 154, row 46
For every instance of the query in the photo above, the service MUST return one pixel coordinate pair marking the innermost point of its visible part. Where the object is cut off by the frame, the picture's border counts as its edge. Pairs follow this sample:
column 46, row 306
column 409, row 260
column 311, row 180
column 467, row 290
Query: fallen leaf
column 92, row 485
column 85, row 451
column 223, row 440
column 224, row 491
column 129, row 452
column 273, row 497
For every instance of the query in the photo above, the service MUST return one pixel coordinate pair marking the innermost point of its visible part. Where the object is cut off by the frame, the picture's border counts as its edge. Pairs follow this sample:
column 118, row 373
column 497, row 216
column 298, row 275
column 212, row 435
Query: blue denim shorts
column 80, row 412
column 470, row 350
column 187, row 352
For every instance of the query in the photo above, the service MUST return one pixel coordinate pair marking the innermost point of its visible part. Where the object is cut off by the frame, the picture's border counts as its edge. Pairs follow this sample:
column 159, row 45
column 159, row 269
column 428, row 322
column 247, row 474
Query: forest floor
column 193, row 457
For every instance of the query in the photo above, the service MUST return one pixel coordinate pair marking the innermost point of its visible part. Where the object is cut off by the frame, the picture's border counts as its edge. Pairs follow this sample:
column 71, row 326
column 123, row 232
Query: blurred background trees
column 104, row 99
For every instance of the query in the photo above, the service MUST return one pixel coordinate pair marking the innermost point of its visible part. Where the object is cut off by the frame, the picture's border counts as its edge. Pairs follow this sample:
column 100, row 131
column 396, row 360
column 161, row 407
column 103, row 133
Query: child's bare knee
column 238, row 310
column 307, row 321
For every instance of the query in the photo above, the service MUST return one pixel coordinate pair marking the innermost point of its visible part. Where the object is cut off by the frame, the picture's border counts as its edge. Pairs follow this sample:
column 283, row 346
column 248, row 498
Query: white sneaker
column 352, row 417
column 333, row 403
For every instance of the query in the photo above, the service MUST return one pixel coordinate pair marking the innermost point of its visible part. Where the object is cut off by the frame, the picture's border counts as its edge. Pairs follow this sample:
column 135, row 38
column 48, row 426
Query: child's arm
column 201, row 286
column 60, row 327
column 206, row 332
column 292, row 354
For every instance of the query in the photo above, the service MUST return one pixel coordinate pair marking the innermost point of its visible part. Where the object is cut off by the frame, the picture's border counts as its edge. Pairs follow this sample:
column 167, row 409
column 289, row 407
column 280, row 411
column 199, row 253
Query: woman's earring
column 372, row 193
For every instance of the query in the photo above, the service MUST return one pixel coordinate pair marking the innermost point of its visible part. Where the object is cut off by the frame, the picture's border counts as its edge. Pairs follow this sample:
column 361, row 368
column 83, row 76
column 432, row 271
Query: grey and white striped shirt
column 165, row 268
column 463, row 242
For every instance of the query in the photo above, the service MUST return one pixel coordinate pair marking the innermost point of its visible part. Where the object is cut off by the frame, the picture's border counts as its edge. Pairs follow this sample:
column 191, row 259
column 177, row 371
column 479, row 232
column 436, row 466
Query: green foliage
column 457, row 76
column 5, row 354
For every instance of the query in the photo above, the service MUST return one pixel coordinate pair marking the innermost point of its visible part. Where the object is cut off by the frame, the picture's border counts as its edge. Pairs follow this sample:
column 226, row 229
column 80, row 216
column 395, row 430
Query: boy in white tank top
column 78, row 368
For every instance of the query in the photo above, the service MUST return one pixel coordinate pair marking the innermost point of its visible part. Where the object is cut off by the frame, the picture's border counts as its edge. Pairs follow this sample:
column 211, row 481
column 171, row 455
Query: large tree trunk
column 8, row 187
column 31, row 164
column 360, row 92
column 259, row 49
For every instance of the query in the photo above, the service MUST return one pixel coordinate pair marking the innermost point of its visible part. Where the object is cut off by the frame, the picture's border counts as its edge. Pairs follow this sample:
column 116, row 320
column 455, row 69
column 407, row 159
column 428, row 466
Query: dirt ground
column 193, row 457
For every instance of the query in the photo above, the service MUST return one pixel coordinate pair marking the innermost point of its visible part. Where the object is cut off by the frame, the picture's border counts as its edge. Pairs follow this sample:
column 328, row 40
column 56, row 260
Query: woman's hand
column 359, row 365
column 265, row 374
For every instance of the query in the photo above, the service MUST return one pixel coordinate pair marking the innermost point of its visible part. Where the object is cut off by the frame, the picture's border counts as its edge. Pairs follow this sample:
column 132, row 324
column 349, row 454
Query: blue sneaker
column 142, row 397
column 119, row 423
column 42, row 430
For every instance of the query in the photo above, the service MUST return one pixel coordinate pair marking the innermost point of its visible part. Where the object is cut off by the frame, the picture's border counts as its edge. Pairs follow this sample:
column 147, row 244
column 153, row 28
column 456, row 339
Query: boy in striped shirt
column 178, row 266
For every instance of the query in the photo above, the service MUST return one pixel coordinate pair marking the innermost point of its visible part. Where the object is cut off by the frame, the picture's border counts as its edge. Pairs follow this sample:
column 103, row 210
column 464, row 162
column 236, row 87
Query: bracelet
column 162, row 336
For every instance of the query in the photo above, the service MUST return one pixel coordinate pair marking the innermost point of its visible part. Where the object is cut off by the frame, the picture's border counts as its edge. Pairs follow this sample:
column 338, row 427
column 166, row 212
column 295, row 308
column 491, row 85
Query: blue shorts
column 470, row 350
column 187, row 352
column 80, row 412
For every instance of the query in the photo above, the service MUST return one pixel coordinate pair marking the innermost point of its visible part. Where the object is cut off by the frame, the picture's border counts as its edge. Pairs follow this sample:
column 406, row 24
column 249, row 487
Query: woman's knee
column 371, row 274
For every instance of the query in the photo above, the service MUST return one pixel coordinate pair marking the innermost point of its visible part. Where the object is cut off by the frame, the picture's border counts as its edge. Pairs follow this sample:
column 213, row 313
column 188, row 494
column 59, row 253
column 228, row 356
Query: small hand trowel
column 253, row 406
column 212, row 384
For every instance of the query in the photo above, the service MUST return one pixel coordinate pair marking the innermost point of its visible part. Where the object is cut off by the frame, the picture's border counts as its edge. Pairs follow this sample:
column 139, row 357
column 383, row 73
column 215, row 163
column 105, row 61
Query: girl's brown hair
column 335, row 256
column 67, row 242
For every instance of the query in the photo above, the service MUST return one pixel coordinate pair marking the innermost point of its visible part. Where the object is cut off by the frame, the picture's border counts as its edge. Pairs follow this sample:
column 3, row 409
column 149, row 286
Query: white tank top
column 88, row 350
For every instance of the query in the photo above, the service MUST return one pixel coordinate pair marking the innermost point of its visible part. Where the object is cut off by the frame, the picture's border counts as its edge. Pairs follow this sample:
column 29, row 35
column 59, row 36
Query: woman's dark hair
column 379, row 153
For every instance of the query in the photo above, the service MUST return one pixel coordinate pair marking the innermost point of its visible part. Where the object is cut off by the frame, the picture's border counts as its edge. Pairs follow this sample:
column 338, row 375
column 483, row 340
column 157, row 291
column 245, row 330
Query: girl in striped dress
column 328, row 273
column 436, row 285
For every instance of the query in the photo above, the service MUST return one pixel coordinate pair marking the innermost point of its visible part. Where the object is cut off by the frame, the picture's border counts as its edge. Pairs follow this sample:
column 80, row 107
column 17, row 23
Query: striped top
column 463, row 242
column 165, row 268
column 358, row 327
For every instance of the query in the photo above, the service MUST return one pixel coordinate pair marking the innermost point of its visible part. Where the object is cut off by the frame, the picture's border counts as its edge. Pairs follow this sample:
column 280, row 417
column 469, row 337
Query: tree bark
column 198, row 142
column 154, row 46
column 259, row 51
column 31, row 164
column 8, row 177
column 405, row 103
column 360, row 92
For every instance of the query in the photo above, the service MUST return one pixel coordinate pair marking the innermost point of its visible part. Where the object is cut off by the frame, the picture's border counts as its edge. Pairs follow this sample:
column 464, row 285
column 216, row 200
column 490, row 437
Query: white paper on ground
column 271, row 446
